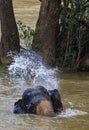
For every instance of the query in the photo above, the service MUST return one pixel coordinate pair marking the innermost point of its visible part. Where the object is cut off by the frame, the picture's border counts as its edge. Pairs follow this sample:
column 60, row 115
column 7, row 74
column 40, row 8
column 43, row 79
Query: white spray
column 28, row 65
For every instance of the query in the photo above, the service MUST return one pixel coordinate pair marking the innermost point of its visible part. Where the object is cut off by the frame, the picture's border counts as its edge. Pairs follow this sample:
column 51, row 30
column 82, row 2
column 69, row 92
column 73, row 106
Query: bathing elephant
column 39, row 101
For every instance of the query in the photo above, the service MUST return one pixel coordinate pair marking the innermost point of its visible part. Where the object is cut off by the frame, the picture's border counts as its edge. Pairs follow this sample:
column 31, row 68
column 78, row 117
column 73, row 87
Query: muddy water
column 74, row 90
column 27, row 11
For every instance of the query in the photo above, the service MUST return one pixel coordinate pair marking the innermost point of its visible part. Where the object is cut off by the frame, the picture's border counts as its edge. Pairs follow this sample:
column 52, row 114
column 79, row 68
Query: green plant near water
column 26, row 34
column 74, row 31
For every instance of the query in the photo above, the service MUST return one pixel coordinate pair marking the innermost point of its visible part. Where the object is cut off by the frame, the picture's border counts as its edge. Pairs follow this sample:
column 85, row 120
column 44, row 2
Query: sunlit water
column 74, row 88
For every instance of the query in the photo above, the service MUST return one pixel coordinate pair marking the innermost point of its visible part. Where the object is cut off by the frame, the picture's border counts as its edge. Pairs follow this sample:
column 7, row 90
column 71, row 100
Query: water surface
column 74, row 89
column 27, row 11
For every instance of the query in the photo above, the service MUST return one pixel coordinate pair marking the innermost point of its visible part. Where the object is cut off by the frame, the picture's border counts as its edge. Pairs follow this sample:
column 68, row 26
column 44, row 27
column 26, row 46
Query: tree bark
column 9, row 31
column 48, row 23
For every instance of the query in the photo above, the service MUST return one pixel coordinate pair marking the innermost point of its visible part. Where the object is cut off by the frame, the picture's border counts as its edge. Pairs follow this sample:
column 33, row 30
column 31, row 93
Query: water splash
column 70, row 113
column 30, row 66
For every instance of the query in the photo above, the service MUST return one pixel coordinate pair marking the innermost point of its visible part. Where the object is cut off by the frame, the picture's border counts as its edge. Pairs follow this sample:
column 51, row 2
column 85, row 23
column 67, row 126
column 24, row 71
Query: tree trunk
column 48, row 23
column 0, row 22
column 9, row 31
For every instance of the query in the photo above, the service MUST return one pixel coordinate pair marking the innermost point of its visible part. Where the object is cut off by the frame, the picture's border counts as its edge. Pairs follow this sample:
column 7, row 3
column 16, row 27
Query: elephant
column 39, row 101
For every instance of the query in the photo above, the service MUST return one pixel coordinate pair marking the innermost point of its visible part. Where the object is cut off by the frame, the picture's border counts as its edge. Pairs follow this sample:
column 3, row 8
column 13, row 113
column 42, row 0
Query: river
column 74, row 89
column 27, row 11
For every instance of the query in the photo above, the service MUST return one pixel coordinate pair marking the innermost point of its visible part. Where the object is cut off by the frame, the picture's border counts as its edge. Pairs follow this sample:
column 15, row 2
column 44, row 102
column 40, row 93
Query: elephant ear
column 56, row 100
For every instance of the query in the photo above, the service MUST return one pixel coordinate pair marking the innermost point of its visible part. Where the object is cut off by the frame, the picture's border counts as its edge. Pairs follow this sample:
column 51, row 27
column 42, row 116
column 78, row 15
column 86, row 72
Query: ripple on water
column 70, row 113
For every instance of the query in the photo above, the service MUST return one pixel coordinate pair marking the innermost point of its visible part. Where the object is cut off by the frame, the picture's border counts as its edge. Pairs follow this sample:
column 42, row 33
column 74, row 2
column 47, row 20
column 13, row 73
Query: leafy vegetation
column 73, row 38
column 26, row 34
